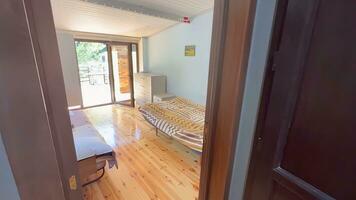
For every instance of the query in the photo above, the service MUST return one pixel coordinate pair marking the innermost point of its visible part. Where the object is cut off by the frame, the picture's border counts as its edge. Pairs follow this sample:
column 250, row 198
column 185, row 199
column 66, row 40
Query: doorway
column 106, row 72
column 53, row 90
column 93, row 67
column 123, row 66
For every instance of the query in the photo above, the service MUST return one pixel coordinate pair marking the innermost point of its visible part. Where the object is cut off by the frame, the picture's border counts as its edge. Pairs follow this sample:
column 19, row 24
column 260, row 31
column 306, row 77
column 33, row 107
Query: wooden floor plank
column 149, row 166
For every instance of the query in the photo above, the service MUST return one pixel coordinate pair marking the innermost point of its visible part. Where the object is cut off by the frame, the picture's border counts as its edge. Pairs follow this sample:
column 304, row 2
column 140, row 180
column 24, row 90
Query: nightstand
column 162, row 97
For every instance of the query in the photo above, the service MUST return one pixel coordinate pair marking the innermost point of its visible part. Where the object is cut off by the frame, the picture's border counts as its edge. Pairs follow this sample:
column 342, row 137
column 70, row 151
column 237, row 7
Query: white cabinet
column 147, row 85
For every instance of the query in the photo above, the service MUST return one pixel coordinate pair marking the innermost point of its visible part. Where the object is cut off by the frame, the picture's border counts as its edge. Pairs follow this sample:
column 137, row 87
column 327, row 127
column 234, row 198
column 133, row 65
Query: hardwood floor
column 149, row 167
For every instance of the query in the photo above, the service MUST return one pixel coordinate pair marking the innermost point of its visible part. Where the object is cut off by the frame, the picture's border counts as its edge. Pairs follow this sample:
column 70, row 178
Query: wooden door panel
column 296, row 185
column 124, row 69
column 294, row 41
column 323, row 127
column 281, row 193
column 306, row 150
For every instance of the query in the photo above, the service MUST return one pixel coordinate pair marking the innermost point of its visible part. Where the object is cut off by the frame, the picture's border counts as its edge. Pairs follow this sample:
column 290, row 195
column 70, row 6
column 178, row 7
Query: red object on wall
column 186, row 20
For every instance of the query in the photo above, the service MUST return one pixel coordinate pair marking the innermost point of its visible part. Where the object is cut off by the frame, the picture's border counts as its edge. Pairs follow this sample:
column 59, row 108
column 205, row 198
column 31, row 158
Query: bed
column 92, row 152
column 179, row 118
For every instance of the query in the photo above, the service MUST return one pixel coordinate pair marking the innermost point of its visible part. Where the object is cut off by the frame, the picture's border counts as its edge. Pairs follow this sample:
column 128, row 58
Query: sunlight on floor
column 150, row 166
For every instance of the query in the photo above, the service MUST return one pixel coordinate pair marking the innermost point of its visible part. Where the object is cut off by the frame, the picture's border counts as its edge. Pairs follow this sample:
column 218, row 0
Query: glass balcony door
column 123, row 73
column 94, row 73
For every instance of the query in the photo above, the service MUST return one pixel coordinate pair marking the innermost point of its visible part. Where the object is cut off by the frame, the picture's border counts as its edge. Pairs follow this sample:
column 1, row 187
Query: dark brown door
column 307, row 146
column 34, row 122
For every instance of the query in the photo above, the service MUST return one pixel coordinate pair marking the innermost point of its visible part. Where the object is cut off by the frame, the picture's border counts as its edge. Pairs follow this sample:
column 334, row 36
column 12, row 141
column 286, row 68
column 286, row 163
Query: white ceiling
column 177, row 7
column 137, row 18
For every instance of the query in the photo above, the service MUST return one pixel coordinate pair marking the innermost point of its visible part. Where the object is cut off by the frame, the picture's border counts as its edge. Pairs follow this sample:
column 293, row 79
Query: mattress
column 88, row 142
column 179, row 118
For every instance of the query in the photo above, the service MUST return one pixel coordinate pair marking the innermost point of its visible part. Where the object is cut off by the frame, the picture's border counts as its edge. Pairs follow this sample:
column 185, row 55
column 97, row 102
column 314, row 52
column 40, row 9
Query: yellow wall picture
column 189, row 50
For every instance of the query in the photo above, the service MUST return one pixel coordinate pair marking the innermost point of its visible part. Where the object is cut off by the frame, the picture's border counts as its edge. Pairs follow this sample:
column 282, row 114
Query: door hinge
column 73, row 183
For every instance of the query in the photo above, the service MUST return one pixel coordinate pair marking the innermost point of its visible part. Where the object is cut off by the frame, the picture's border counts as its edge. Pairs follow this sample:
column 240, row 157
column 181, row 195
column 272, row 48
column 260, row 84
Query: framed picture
column 189, row 50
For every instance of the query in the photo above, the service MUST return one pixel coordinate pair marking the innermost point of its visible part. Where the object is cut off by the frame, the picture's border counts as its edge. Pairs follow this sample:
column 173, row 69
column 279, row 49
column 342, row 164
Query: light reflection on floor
column 108, row 116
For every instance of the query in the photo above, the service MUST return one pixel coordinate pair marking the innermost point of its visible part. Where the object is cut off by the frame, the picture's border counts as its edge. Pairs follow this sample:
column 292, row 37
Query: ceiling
column 137, row 18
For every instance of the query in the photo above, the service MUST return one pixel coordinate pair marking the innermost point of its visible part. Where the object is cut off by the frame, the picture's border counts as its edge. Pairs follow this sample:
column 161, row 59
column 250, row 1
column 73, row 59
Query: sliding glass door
column 122, row 73
column 93, row 72
column 106, row 72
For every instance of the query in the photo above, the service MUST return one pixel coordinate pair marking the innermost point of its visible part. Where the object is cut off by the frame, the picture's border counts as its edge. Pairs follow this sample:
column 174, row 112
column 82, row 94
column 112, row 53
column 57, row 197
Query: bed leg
column 96, row 179
column 156, row 131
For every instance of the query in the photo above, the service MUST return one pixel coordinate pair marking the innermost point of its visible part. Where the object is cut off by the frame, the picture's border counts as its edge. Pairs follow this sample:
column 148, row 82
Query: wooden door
column 124, row 69
column 306, row 149
column 30, row 113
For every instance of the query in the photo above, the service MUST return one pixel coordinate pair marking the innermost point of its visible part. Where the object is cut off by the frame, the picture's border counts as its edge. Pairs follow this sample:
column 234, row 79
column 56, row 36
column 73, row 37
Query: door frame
column 265, row 94
column 109, row 44
column 129, row 47
column 231, row 38
column 230, row 48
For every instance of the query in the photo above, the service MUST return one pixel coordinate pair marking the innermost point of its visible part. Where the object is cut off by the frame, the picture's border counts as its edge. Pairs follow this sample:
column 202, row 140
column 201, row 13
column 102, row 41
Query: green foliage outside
column 89, row 51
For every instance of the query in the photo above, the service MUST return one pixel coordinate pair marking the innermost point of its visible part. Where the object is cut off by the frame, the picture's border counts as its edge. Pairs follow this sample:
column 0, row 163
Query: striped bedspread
column 178, row 118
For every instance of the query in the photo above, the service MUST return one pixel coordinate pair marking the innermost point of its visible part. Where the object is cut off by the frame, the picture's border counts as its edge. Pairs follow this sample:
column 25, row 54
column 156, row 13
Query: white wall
column 186, row 76
column 143, row 54
column 69, row 68
column 255, row 74
column 8, row 188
